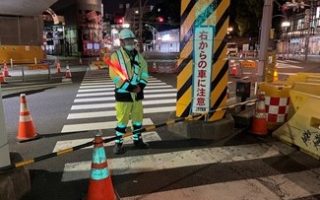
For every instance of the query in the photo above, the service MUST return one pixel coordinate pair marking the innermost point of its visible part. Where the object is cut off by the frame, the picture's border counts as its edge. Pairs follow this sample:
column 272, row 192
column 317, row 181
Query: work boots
column 140, row 144
column 118, row 149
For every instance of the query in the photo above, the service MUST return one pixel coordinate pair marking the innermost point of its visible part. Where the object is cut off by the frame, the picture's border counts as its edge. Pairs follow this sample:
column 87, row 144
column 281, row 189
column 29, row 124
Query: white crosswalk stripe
column 64, row 144
column 86, row 115
column 177, row 159
column 112, row 98
column 163, row 91
column 96, row 126
column 112, row 88
column 112, row 105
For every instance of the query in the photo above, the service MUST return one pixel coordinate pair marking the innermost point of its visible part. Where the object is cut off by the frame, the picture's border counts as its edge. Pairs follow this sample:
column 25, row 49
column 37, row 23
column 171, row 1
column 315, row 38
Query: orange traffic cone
column 68, row 72
column 259, row 123
column 2, row 78
column 100, row 183
column 58, row 67
column 5, row 69
column 27, row 129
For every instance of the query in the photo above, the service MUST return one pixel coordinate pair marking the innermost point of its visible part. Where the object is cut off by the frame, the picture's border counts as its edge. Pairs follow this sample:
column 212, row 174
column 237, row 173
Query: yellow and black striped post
column 204, row 13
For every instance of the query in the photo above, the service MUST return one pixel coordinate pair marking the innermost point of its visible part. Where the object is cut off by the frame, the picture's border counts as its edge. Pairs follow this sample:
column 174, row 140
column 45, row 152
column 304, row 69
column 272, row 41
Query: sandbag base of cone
column 259, row 127
column 27, row 139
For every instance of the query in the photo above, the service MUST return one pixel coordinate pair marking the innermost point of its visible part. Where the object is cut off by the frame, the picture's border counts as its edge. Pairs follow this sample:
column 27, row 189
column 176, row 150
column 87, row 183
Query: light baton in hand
column 116, row 68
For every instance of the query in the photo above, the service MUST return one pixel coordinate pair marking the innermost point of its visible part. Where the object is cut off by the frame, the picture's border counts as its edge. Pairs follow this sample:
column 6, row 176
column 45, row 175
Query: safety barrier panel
column 303, row 128
column 21, row 54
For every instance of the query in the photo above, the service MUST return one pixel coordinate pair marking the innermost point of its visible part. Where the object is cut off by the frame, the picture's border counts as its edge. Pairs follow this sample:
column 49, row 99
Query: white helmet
column 126, row 33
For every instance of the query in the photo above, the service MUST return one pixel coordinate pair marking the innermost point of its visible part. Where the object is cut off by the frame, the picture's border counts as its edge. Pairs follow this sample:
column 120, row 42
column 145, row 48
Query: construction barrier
column 277, row 101
column 21, row 53
column 303, row 127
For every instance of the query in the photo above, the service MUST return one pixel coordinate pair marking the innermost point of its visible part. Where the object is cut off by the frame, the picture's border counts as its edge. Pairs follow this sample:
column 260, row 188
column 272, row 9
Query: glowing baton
column 116, row 68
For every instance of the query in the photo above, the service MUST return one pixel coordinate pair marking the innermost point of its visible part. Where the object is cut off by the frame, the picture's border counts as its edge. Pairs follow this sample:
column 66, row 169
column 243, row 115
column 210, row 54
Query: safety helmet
column 126, row 33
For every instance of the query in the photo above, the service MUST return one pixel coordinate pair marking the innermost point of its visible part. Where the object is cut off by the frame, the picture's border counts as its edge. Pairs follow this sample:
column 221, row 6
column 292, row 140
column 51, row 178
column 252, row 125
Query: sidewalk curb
column 17, row 90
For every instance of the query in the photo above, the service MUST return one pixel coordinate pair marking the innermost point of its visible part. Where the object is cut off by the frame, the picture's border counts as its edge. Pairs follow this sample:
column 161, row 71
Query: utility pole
column 4, row 147
column 140, row 27
column 307, row 39
column 264, row 37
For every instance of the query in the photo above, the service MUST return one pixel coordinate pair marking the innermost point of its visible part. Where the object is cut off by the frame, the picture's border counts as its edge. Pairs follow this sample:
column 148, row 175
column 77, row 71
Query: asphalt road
column 239, row 167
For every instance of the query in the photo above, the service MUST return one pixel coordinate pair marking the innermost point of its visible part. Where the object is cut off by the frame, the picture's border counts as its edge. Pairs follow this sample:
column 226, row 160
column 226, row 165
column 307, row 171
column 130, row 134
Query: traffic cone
column 68, row 72
column 154, row 67
column 58, row 67
column 100, row 183
column 275, row 75
column 27, row 130
column 5, row 69
column 259, row 123
column 2, row 78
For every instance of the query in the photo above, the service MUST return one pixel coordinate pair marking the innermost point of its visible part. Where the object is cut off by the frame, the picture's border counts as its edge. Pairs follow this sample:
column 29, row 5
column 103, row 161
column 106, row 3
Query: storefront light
column 166, row 37
column 126, row 25
column 114, row 31
column 285, row 24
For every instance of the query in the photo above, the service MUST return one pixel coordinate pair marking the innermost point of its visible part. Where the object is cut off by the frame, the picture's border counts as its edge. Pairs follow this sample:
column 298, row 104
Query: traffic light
column 160, row 19
column 119, row 20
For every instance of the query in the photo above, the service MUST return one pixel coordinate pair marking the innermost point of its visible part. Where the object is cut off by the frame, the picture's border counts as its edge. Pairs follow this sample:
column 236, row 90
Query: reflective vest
column 134, row 69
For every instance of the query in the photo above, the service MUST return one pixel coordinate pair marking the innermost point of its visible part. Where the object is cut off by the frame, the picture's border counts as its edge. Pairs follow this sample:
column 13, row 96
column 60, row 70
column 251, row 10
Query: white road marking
column 110, row 82
column 112, row 93
column 64, row 144
column 111, row 89
column 178, row 159
column 111, row 105
column 112, row 98
column 86, row 115
column 287, row 66
column 112, row 85
column 96, row 126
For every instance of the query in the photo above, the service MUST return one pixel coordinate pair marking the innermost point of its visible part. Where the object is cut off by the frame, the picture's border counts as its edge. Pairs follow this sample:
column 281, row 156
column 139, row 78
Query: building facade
column 304, row 26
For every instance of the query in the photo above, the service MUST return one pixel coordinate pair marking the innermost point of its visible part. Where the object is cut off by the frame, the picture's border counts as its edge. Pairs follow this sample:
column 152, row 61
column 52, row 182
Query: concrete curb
column 20, row 89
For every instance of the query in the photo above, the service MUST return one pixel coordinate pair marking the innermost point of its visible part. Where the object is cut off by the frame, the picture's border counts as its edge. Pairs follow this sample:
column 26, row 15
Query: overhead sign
column 248, row 63
column 203, row 42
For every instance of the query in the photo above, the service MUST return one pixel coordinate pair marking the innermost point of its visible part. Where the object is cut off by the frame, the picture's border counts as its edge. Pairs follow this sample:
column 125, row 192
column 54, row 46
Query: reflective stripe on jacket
column 135, row 69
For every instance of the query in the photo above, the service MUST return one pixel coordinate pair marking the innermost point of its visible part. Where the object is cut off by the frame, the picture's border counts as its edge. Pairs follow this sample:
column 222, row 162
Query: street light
column 285, row 24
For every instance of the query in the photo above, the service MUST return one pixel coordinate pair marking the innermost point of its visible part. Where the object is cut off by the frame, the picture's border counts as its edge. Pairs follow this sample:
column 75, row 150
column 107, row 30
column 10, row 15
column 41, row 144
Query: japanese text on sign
column 203, row 41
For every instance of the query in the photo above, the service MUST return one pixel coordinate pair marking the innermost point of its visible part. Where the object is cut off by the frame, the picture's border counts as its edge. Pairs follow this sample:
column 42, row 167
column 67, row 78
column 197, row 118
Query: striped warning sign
column 203, row 13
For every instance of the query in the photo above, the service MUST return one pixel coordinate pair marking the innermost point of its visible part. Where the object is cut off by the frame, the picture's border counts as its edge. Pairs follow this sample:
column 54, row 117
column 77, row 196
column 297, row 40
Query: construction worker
column 129, row 90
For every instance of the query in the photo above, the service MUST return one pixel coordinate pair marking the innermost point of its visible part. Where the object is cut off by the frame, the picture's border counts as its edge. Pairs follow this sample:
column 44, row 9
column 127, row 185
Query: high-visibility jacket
column 134, row 69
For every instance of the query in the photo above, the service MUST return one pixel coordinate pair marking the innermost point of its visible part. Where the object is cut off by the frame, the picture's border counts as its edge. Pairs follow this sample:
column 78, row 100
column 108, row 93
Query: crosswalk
column 232, row 172
column 93, row 107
